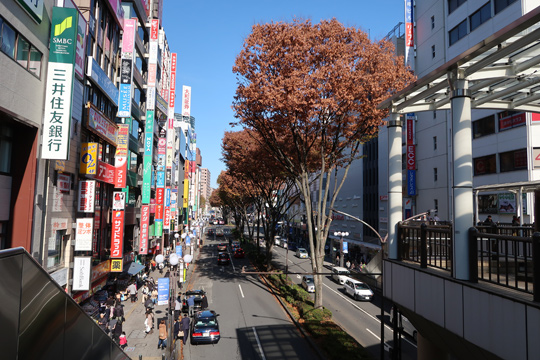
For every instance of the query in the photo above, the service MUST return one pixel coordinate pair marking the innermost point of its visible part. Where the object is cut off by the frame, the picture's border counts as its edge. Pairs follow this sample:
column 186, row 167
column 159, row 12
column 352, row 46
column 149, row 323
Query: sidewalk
column 143, row 346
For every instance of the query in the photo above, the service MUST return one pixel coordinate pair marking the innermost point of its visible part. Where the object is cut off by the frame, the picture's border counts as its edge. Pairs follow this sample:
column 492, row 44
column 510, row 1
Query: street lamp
column 341, row 234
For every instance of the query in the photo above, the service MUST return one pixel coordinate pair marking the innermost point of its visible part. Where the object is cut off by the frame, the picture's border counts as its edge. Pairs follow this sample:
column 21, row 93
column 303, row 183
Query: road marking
column 372, row 333
column 290, row 261
column 258, row 343
column 241, row 292
column 365, row 312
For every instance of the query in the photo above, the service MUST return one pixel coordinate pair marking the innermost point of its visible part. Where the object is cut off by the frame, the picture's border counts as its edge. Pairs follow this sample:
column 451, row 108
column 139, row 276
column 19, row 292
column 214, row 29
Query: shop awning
column 134, row 268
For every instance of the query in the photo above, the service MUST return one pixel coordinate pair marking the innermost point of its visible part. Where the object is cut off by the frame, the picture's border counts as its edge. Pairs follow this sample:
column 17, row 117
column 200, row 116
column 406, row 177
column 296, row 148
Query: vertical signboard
column 163, row 291
column 86, row 198
column 120, row 157
column 409, row 34
column 117, row 234
column 83, row 236
column 411, row 155
column 145, row 219
column 82, row 268
column 126, row 68
column 59, row 85
column 186, row 101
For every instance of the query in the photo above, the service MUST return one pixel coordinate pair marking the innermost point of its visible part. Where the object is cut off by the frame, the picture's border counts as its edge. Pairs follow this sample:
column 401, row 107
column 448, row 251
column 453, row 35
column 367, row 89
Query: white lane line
column 290, row 261
column 365, row 312
column 241, row 292
column 372, row 333
column 258, row 343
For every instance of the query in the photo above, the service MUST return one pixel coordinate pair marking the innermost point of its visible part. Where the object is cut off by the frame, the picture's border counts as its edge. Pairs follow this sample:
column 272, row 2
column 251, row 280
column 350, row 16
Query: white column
column 462, row 175
column 395, row 183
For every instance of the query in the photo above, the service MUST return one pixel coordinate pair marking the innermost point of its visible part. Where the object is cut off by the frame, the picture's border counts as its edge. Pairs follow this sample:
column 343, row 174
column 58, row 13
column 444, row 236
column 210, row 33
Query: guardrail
column 507, row 256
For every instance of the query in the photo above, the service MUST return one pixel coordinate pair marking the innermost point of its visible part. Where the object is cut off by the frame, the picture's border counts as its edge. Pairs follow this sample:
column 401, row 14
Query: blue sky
column 208, row 35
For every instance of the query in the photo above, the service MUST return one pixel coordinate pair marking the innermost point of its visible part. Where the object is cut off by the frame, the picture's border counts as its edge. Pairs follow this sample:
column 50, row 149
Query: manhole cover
column 137, row 334
column 129, row 348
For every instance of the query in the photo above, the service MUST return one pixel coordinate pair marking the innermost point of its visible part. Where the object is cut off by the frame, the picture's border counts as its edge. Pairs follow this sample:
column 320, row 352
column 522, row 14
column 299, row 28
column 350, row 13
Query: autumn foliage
column 310, row 93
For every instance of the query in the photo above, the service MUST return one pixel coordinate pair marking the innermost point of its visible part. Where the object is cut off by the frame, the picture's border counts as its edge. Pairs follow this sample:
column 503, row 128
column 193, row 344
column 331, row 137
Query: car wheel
column 355, row 297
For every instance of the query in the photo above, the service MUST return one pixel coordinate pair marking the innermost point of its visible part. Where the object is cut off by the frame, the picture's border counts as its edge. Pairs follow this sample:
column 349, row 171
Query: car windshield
column 205, row 322
column 302, row 250
column 308, row 280
column 361, row 286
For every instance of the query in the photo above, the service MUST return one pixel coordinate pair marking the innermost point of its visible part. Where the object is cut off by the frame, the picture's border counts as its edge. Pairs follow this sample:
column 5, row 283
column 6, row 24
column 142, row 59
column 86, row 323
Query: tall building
column 468, row 149
column 206, row 179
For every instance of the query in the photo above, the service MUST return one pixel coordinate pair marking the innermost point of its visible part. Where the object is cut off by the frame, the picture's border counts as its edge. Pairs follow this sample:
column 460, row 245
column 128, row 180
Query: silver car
column 308, row 283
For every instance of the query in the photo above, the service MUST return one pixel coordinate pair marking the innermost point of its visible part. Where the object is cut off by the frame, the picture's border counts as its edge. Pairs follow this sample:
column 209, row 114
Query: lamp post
column 382, row 267
column 341, row 234
column 173, row 261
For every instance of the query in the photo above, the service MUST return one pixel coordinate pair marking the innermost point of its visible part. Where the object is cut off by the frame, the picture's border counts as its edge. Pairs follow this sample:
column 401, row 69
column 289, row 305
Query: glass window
column 434, row 143
column 480, row 16
column 433, row 22
column 6, row 143
column 458, row 32
column 484, row 126
column 500, row 5
column 487, row 204
column 138, row 61
column 454, row 4
column 433, row 51
column 23, row 49
column 55, row 250
column 35, row 61
column 513, row 160
column 435, row 174
column 485, row 165
column 8, row 40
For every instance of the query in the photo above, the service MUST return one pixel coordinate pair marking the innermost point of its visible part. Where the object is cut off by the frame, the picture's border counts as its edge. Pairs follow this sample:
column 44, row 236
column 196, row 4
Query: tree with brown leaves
column 310, row 92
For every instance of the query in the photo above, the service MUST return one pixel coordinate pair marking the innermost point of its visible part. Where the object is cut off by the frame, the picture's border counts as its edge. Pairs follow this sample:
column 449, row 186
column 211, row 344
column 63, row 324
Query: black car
column 222, row 247
column 197, row 294
column 205, row 328
column 223, row 259
column 210, row 232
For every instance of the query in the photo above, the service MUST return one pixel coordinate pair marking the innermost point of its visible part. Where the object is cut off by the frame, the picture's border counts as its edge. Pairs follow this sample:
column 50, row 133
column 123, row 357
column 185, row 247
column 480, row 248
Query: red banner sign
column 159, row 212
column 117, row 234
column 160, row 195
column 105, row 172
column 411, row 157
column 167, row 218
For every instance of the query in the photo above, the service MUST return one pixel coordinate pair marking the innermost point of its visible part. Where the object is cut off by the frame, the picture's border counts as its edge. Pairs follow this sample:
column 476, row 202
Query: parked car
column 340, row 274
column 308, row 283
column 235, row 245
column 219, row 232
column 302, row 253
column 292, row 246
column 222, row 247
column 197, row 294
column 223, row 259
column 210, row 232
column 358, row 290
column 277, row 240
column 205, row 328
column 239, row 253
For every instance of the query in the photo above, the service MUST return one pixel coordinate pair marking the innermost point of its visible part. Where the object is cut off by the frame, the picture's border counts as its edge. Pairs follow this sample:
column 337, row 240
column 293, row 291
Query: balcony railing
column 507, row 256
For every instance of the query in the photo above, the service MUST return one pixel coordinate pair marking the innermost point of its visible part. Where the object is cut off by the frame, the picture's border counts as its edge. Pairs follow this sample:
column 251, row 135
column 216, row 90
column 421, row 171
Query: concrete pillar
column 395, row 183
column 462, row 174
column 426, row 350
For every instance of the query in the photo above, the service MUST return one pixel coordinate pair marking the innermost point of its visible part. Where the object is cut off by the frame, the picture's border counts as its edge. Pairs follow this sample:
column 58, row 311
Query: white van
column 358, row 290
column 277, row 240
column 340, row 274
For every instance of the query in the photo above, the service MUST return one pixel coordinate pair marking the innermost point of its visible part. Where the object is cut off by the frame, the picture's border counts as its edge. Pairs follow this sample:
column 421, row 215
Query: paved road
column 359, row 319
column 253, row 324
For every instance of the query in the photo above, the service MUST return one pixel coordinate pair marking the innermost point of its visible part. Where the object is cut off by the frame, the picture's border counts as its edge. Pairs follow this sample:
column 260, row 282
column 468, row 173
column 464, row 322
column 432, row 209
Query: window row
column 508, row 161
column 506, row 120
column 477, row 18
column 14, row 45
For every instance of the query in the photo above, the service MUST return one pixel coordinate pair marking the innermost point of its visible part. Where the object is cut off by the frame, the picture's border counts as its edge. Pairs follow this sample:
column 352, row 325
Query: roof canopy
column 502, row 72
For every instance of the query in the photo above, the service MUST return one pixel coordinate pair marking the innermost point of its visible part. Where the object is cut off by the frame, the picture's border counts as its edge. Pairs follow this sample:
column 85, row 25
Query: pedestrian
column 123, row 340
column 149, row 322
column 204, row 302
column 153, row 264
column 162, row 335
column 117, row 331
column 176, row 329
column 103, row 322
column 488, row 221
column 119, row 312
column 132, row 290
column 348, row 264
column 191, row 304
column 112, row 324
column 154, row 296
column 177, row 306
column 184, row 325
column 144, row 291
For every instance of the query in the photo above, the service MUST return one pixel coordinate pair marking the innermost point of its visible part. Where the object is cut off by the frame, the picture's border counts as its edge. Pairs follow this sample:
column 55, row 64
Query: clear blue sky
column 208, row 35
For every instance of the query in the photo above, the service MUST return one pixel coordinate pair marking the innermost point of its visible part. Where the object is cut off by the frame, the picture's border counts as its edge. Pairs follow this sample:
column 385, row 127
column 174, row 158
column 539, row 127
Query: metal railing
column 507, row 256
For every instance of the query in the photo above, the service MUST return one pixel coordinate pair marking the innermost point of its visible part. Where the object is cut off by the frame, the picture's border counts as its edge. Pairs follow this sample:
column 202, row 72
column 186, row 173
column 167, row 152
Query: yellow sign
column 89, row 158
column 60, row 165
column 116, row 265
column 186, row 194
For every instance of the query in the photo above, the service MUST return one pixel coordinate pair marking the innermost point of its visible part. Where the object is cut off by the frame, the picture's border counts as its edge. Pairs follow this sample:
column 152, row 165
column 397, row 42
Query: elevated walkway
column 40, row 321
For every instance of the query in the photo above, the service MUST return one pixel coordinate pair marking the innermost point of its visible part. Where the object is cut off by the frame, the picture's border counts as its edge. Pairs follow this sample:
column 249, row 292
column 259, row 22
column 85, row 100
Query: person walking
column 184, row 325
column 204, row 302
column 154, row 295
column 103, row 322
column 176, row 329
column 117, row 331
column 132, row 290
column 191, row 304
column 119, row 312
column 149, row 321
column 123, row 340
column 177, row 306
column 162, row 335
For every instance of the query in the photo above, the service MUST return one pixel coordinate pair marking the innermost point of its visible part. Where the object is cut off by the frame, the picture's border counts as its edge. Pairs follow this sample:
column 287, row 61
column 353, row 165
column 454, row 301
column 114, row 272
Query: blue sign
column 160, row 181
column 345, row 247
column 163, row 291
column 98, row 76
column 168, row 196
column 124, row 106
column 188, row 240
column 179, row 251
column 411, row 182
